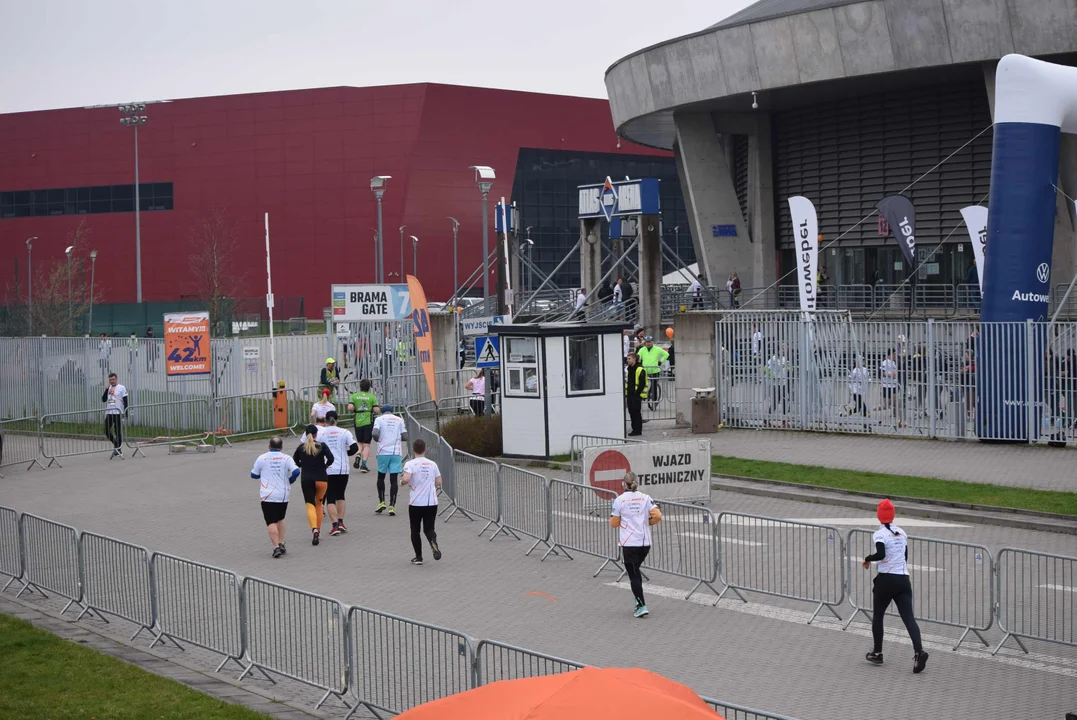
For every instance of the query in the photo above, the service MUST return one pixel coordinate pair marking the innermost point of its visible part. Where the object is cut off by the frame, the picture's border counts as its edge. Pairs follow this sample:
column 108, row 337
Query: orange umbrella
column 587, row 694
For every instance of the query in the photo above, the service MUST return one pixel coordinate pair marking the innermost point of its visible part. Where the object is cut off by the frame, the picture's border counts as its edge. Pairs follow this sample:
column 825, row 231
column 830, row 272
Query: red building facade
column 306, row 157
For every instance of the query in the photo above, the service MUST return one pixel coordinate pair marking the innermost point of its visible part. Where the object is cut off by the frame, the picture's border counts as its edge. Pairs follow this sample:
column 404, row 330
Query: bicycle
column 654, row 391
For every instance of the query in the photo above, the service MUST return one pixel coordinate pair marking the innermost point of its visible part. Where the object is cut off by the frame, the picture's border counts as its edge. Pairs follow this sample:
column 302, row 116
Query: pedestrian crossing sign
column 487, row 351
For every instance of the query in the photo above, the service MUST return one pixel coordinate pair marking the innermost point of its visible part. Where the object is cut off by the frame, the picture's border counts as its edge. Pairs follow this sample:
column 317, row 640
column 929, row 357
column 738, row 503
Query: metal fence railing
column 579, row 443
column 959, row 591
column 79, row 433
column 116, row 580
column 50, row 558
column 496, row 661
column 10, row 548
column 730, row 711
column 476, row 489
column 579, row 522
column 1036, row 597
column 20, row 442
column 523, row 504
column 685, row 544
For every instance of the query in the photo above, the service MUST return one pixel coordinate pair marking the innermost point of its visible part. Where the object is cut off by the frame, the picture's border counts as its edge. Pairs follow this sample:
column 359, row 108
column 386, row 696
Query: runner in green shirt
column 364, row 405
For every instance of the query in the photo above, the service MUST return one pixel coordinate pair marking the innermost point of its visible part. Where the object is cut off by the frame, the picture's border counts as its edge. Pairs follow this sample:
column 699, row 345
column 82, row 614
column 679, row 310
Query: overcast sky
column 70, row 53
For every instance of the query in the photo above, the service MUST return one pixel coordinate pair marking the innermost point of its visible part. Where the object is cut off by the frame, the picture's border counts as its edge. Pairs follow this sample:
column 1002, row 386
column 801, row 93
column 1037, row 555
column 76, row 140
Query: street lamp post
column 93, row 264
column 484, row 178
column 377, row 185
column 30, row 282
column 402, row 251
column 134, row 118
column 415, row 256
column 530, row 274
column 70, row 316
column 455, row 277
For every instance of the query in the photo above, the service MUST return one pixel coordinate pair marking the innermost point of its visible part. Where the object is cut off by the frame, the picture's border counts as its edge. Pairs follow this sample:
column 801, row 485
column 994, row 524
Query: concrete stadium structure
column 843, row 101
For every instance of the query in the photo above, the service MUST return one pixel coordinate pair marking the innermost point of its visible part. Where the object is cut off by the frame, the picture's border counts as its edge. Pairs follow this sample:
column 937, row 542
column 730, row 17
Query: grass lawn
column 42, row 676
column 1063, row 503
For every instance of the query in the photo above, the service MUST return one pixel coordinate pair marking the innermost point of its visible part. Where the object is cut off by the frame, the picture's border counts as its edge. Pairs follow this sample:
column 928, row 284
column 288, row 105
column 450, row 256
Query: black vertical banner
column 901, row 216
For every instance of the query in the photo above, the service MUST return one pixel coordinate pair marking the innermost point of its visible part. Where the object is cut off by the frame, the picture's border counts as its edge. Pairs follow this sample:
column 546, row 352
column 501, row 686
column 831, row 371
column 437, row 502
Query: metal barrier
column 10, row 547
column 496, row 661
column 20, row 442
column 296, row 634
column 400, row 663
column 579, row 521
column 685, row 544
column 738, row 712
column 76, row 433
column 240, row 416
column 579, row 443
column 1036, row 597
column 50, row 558
column 523, row 499
column 167, row 423
column 954, row 586
column 116, row 580
column 783, row 558
column 476, row 489
column 199, row 604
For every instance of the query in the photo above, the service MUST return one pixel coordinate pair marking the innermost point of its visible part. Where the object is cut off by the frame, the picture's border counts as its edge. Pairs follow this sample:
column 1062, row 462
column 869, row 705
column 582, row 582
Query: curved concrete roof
column 764, row 48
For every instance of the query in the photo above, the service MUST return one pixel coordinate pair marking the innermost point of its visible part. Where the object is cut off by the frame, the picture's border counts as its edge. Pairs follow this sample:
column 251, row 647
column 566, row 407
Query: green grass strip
column 43, row 676
column 1062, row 503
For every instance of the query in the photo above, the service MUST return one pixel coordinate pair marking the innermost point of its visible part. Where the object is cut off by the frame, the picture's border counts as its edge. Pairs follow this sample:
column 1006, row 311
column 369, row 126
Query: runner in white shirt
column 389, row 431
column 634, row 513
column 888, row 371
column 424, row 479
column 115, row 399
column 343, row 445
column 892, row 584
column 323, row 407
column 277, row 471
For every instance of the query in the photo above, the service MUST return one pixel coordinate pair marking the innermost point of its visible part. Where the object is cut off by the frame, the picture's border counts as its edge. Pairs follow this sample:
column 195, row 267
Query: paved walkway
column 1014, row 465
column 760, row 654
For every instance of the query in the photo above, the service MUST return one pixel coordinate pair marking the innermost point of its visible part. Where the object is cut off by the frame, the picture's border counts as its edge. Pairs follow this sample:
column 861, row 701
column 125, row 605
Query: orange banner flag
column 424, row 342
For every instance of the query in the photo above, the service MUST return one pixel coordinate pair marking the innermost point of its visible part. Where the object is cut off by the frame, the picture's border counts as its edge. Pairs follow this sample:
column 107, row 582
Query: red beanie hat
column 885, row 511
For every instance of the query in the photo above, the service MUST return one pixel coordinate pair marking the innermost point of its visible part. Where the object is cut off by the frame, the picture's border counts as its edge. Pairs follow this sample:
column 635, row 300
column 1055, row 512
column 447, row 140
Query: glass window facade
column 85, row 200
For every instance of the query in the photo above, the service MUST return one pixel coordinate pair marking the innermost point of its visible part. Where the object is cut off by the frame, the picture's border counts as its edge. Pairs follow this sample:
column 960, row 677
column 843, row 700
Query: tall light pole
column 530, row 275
column 132, row 117
column 484, row 178
column 377, row 185
column 402, row 252
column 414, row 256
column 93, row 264
column 455, row 277
column 70, row 316
column 30, row 282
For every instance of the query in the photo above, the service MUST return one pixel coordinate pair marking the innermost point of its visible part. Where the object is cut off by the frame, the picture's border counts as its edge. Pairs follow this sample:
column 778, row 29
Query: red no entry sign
column 608, row 470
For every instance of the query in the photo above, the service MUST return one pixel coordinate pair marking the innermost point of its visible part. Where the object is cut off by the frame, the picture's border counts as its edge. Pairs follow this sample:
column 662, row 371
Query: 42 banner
column 187, row 348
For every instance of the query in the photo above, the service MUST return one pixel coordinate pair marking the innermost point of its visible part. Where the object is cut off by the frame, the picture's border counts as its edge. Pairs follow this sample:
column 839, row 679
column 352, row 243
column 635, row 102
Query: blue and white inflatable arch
column 1035, row 102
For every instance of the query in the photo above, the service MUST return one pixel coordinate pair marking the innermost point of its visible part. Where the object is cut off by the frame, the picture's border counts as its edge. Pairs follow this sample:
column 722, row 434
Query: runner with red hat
column 892, row 585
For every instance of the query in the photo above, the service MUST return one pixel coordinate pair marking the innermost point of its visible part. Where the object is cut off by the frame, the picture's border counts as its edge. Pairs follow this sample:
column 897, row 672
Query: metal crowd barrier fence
column 783, row 558
column 10, row 547
column 476, row 489
column 77, row 433
column 238, row 416
column 296, row 634
column 20, row 442
column 577, row 524
column 167, row 423
column 955, row 584
column 1035, row 596
column 50, row 559
column 524, row 504
column 496, row 661
column 579, row 443
column 399, row 663
column 738, row 712
column 685, row 544
column 116, row 580
column 199, row 604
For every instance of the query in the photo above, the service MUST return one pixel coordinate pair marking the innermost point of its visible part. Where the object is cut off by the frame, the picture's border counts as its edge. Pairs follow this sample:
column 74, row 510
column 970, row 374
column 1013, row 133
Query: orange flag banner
column 424, row 342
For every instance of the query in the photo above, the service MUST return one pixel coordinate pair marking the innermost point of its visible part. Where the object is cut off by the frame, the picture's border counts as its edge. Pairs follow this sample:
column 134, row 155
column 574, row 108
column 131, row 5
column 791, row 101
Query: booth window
column 521, row 365
column 584, row 376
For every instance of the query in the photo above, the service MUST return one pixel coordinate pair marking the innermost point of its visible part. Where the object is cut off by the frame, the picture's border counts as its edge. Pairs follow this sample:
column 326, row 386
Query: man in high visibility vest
column 651, row 357
column 330, row 378
column 635, row 393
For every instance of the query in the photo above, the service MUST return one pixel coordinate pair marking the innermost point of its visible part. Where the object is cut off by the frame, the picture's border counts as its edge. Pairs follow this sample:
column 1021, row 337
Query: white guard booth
column 559, row 380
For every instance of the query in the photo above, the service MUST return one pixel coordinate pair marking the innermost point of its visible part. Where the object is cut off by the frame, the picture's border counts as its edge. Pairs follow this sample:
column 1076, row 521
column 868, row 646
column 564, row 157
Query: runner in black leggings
column 892, row 584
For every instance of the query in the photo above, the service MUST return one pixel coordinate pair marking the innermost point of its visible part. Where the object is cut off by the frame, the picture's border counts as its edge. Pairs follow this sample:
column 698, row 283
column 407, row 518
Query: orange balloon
column 669, row 333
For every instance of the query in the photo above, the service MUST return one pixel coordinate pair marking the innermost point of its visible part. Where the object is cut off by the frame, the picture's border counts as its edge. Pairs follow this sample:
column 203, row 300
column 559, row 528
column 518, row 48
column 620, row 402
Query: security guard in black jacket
column 635, row 393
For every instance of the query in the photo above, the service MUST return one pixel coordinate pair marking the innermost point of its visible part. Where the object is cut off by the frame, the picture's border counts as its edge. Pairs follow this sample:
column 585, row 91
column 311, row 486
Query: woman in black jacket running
column 892, row 584
column 313, row 458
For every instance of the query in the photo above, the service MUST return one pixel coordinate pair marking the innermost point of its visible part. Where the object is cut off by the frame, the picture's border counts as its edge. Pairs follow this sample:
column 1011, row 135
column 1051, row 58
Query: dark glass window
column 83, row 200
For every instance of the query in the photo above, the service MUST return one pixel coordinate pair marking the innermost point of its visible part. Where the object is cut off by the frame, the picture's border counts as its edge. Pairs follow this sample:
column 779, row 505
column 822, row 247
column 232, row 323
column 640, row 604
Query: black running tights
column 896, row 588
column 633, row 559
column 392, row 488
column 422, row 515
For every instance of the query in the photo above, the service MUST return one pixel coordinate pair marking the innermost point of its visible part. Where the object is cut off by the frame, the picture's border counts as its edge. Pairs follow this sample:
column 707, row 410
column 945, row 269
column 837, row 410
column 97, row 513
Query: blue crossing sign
column 488, row 351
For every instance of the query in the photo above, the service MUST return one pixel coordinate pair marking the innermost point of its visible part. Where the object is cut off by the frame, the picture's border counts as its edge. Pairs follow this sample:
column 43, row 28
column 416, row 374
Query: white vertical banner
column 976, row 220
column 806, row 241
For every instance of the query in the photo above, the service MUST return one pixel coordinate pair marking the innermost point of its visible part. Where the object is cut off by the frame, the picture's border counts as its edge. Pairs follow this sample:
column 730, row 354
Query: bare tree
column 59, row 305
column 217, row 280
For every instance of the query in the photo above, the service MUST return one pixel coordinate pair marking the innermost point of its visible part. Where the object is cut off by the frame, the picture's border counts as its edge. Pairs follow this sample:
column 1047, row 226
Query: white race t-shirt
column 634, row 509
column 478, row 386
column 695, row 288
column 424, row 473
column 857, row 379
column 338, row 440
column 114, row 403
column 757, row 338
column 389, row 428
column 894, row 562
column 274, row 469
column 319, row 410
column 888, row 370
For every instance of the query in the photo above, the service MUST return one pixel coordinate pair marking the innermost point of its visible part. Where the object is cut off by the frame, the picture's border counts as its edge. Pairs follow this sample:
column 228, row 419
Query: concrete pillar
column 590, row 254
column 443, row 333
column 650, row 274
column 515, row 266
column 710, row 197
column 761, row 206
column 695, row 342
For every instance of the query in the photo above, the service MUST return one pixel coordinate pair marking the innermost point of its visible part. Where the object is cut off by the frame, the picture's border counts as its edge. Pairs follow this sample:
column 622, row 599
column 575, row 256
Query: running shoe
column 316, row 537
column 416, row 561
column 335, row 531
column 919, row 661
column 392, row 509
column 436, row 549
column 277, row 552
column 363, row 467
column 875, row 658
column 283, row 550
column 356, row 463
column 340, row 526
column 381, row 507
column 641, row 611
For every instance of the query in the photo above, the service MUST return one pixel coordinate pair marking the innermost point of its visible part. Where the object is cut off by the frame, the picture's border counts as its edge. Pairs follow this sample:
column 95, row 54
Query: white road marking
column 1008, row 656
column 1063, row 588
column 580, row 516
column 732, row 541
column 861, row 522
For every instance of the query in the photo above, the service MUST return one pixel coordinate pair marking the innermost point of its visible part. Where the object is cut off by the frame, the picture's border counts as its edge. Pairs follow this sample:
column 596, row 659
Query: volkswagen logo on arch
column 1043, row 272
